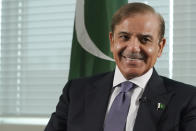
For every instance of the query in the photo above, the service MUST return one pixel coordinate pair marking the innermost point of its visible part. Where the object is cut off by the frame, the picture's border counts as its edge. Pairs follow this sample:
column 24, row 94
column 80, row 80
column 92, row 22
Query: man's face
column 135, row 44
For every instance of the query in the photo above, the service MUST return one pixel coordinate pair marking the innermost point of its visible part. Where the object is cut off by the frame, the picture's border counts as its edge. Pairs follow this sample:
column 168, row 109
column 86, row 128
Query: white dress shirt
column 135, row 93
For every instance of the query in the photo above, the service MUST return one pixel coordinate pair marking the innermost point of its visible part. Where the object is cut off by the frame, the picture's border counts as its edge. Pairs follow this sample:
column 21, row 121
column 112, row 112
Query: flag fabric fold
column 90, row 52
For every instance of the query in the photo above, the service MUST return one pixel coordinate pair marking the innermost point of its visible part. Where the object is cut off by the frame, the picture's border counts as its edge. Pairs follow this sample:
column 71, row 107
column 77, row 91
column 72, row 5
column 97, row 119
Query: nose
column 134, row 45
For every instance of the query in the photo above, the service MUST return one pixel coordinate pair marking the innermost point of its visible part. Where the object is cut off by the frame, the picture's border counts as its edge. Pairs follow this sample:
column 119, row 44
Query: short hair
column 132, row 9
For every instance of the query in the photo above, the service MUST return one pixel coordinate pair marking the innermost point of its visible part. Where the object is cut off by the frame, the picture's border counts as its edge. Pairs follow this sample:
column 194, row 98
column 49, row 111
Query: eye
column 145, row 39
column 124, row 37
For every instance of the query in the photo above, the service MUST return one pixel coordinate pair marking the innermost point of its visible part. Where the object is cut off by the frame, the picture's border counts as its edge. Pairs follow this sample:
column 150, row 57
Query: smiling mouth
column 132, row 58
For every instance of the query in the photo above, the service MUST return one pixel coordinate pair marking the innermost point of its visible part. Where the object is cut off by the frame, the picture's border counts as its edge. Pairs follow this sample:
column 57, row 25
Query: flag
column 90, row 52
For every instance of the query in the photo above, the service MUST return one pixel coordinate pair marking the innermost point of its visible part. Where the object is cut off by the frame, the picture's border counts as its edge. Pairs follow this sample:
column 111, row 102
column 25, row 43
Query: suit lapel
column 96, row 101
column 153, row 103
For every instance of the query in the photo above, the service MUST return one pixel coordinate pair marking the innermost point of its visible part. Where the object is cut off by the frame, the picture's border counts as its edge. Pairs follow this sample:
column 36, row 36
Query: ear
column 161, row 46
column 111, row 37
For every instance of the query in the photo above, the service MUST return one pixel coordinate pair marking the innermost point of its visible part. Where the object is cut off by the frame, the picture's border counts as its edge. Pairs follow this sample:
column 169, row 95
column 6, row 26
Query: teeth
column 130, row 58
column 133, row 56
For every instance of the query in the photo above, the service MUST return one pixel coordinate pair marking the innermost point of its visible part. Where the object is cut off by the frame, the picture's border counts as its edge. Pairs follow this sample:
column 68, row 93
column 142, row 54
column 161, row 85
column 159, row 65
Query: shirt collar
column 140, row 81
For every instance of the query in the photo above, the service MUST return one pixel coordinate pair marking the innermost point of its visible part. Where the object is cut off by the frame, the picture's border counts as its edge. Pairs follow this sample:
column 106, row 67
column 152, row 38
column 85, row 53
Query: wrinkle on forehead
column 145, row 24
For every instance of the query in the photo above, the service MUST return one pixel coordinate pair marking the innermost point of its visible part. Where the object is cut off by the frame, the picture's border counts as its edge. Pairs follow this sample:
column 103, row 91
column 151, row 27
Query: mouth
column 133, row 57
column 132, row 62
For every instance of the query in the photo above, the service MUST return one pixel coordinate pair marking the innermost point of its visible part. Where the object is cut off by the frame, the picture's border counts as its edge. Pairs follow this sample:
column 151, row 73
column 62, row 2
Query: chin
column 132, row 72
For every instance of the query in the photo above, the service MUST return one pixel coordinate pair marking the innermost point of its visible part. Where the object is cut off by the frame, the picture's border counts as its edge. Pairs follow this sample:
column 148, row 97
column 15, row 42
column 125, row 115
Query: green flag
column 90, row 53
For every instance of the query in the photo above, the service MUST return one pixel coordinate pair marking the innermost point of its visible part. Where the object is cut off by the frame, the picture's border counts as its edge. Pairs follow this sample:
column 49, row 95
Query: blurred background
column 35, row 50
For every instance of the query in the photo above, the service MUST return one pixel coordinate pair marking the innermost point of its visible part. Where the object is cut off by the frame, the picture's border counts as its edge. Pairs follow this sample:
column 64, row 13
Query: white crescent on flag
column 82, row 34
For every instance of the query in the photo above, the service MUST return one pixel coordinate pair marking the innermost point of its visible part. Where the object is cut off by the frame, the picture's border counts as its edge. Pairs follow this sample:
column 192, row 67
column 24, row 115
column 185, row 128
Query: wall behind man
column 15, row 127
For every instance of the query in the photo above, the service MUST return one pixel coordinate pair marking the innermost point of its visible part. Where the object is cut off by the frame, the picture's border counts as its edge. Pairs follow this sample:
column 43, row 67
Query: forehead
column 139, row 23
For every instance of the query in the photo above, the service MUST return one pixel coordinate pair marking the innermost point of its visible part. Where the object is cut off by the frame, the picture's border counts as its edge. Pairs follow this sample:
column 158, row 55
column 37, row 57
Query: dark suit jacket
column 83, row 105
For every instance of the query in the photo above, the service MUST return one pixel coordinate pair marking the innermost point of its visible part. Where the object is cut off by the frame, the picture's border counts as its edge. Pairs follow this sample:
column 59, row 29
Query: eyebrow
column 123, row 33
column 146, row 35
column 140, row 35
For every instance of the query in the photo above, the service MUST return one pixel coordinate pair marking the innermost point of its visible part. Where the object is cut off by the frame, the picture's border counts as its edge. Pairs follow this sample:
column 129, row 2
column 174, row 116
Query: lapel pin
column 160, row 106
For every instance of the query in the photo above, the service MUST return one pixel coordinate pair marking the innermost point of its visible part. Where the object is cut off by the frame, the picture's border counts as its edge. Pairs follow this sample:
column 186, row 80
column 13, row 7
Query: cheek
column 152, row 54
column 117, row 47
column 152, row 51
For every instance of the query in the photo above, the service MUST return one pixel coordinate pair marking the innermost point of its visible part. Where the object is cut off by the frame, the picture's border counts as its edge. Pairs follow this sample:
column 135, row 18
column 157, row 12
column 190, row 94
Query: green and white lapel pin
column 160, row 106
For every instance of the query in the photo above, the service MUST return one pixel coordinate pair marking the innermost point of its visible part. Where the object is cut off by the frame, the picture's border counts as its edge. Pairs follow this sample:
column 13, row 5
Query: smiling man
column 133, row 97
column 136, row 42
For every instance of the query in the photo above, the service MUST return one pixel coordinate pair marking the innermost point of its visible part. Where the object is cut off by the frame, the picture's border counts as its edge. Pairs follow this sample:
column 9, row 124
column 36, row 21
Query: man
column 150, row 102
